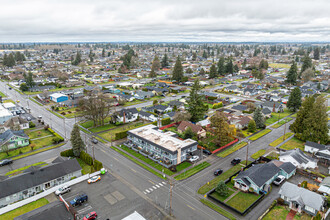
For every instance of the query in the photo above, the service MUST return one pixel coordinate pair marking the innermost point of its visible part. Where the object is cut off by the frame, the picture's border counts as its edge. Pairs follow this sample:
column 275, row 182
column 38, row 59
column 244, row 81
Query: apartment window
column 47, row 185
column 7, row 198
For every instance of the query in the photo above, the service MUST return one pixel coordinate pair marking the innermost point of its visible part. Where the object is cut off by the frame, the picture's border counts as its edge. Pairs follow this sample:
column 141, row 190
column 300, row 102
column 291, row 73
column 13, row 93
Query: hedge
column 60, row 139
column 86, row 158
column 166, row 121
column 120, row 135
column 217, row 105
column 67, row 153
column 97, row 165
column 211, row 98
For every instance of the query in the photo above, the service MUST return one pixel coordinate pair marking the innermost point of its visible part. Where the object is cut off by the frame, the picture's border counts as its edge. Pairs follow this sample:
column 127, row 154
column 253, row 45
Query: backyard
column 280, row 212
column 292, row 144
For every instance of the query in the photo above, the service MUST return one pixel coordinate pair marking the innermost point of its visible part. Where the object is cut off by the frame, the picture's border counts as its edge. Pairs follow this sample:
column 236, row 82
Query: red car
column 90, row 216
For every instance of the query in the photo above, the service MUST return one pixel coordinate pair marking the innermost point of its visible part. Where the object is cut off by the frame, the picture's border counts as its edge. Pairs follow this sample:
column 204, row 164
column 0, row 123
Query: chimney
column 274, row 107
column 124, row 117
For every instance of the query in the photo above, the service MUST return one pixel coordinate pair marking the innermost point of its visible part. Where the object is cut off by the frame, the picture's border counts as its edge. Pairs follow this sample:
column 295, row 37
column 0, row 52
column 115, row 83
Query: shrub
column 97, row 165
column 67, row 153
column 280, row 201
column 211, row 98
column 120, row 135
column 217, row 105
column 31, row 124
column 154, row 123
column 86, row 158
column 304, row 184
column 166, row 121
column 232, row 179
column 72, row 178
column 46, row 127
column 56, row 140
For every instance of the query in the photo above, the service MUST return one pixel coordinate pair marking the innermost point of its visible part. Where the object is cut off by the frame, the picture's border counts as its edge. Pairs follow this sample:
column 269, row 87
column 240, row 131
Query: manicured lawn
column 218, row 209
column 8, row 100
column 278, row 212
column 20, row 170
column 230, row 185
column 258, row 154
column 38, row 133
column 241, row 201
column 2, row 95
column 221, row 198
column 277, row 116
column 280, row 140
column 24, row 209
column 37, row 151
column 292, row 144
column 102, row 128
column 147, row 160
column 279, row 65
column 43, row 142
column 277, row 125
column 213, row 183
column 139, row 163
column 260, row 134
column 84, row 166
column 294, row 115
column 192, row 171
column 182, row 166
column 246, row 133
column 231, row 149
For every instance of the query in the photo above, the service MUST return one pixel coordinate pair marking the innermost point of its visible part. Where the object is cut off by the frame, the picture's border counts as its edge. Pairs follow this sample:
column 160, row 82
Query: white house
column 313, row 147
column 298, row 159
column 127, row 115
column 5, row 114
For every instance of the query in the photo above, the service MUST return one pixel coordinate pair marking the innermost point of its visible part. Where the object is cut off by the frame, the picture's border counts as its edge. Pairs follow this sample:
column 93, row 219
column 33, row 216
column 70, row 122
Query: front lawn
column 277, row 125
column 24, row 209
column 292, row 144
column 182, row 166
column 280, row 139
column 102, row 128
column 258, row 154
column 260, row 134
column 218, row 209
column 278, row 212
column 2, row 95
column 277, row 116
column 214, row 182
column 38, row 133
column 241, row 201
column 192, row 171
column 43, row 142
column 246, row 133
column 221, row 198
column 231, row 149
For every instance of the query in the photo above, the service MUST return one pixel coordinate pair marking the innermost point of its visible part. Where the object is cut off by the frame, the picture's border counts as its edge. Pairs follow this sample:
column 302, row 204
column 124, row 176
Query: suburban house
column 313, row 147
column 58, row 97
column 197, row 129
column 301, row 199
column 16, row 123
column 160, row 146
column 147, row 116
column 266, row 112
column 127, row 115
column 298, row 159
column 36, row 179
column 239, row 107
column 325, row 186
column 14, row 139
column 259, row 177
column 272, row 106
column 5, row 114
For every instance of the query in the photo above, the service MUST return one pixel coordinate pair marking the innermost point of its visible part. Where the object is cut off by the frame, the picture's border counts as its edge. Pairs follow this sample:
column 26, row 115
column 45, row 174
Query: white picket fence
column 46, row 192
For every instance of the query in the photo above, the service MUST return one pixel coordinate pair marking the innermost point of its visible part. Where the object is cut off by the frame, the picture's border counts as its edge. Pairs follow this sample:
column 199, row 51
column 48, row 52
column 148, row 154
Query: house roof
column 326, row 181
column 10, row 133
column 195, row 128
column 271, row 104
column 128, row 112
column 175, row 103
column 35, row 176
column 302, row 196
column 298, row 155
column 266, row 111
column 144, row 114
column 57, row 95
column 15, row 120
column 240, row 107
column 259, row 173
column 315, row 145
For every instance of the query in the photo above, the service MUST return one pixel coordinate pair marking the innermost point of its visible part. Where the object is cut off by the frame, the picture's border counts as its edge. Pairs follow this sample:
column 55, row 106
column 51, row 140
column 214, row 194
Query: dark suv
column 235, row 161
column 205, row 151
column 6, row 162
column 218, row 172
column 78, row 200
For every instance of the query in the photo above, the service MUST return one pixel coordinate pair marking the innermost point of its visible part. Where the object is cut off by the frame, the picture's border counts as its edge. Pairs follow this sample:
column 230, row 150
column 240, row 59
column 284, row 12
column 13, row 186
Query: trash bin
column 103, row 171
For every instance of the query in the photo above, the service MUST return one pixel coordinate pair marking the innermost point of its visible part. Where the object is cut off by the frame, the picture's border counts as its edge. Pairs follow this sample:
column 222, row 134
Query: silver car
column 62, row 190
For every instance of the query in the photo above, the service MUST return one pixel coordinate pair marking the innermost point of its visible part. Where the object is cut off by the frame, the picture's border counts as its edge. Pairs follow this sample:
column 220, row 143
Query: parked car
column 95, row 141
column 279, row 180
column 78, row 200
column 218, row 172
column 6, row 162
column 90, row 216
column 28, row 118
column 62, row 190
column 94, row 179
column 194, row 158
column 205, row 151
column 235, row 161
column 9, row 88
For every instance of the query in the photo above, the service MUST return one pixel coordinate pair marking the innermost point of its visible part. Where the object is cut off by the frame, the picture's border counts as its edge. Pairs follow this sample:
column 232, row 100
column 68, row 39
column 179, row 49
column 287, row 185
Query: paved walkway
column 291, row 215
column 42, row 137
column 231, row 196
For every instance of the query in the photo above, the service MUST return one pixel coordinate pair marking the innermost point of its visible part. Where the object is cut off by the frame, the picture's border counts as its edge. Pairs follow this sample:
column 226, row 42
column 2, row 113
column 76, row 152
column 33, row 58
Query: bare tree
column 307, row 74
column 181, row 116
column 4, row 148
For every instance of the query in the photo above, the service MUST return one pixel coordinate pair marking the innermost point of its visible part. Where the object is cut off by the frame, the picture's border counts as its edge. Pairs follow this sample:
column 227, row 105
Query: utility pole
column 284, row 130
column 247, row 153
column 64, row 128
column 171, row 189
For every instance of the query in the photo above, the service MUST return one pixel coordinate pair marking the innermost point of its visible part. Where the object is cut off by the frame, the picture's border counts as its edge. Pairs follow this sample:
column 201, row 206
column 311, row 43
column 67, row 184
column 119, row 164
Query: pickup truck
column 78, row 200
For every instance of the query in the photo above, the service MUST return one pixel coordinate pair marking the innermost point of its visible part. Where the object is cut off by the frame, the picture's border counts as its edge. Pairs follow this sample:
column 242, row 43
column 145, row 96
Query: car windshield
column 87, row 216
column 94, row 178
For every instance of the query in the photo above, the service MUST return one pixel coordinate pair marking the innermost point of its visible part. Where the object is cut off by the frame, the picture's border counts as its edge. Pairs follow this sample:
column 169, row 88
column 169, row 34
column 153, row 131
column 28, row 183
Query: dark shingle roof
column 240, row 107
column 288, row 167
column 315, row 145
column 10, row 133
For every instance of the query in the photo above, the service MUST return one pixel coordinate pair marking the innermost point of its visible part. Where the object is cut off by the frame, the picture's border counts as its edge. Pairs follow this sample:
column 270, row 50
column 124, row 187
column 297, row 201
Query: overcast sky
column 164, row 20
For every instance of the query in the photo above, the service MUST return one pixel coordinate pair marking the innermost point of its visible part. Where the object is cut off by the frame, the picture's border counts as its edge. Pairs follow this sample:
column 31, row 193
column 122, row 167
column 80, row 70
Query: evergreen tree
column 91, row 56
column 213, row 71
column 202, row 71
column 165, row 61
column 221, row 66
column 9, row 60
column 317, row 53
column 307, row 63
column 196, row 106
column 252, row 127
column 204, row 54
column 222, row 189
column 103, row 52
column 177, row 73
column 77, row 143
column 230, row 66
column 77, row 60
column 294, row 101
column 259, row 118
column 263, row 64
column 194, row 56
column 292, row 74
column 156, row 64
column 29, row 79
column 152, row 73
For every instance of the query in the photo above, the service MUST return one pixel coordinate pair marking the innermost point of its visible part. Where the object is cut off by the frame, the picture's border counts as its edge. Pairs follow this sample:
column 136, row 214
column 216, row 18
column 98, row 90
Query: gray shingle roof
column 288, row 167
column 302, row 195
column 315, row 145
column 298, row 155
column 10, row 133
column 39, row 176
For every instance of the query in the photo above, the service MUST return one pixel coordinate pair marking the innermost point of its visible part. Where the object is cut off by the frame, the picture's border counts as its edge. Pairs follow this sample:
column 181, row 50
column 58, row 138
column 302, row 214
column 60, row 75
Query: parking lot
column 110, row 199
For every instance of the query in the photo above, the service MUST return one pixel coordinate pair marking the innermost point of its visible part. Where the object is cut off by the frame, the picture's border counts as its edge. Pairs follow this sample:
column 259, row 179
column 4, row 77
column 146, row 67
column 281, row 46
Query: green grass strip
column 258, row 154
column 218, row 209
column 35, row 101
column 19, row 170
column 139, row 163
column 37, row 151
column 192, row 171
column 280, row 139
column 281, row 123
column 213, row 183
column 231, row 149
column 55, row 113
column 260, row 134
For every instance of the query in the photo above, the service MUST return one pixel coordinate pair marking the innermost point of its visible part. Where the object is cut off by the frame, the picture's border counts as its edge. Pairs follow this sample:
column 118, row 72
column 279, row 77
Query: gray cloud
column 164, row 20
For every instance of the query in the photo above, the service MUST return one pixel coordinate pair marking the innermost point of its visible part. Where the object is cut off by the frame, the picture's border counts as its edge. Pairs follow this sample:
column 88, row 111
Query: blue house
column 58, row 97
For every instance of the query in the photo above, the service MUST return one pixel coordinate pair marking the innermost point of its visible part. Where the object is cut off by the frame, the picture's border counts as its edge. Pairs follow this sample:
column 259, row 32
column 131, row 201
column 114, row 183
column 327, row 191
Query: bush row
column 166, row 121
column 58, row 138
column 86, row 158
column 217, row 105
column 67, row 153
column 120, row 135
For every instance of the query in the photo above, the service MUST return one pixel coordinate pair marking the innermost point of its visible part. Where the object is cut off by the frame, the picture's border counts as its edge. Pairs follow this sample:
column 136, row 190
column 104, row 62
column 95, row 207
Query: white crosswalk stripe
column 164, row 183
column 154, row 187
column 157, row 186
column 151, row 189
column 160, row 184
